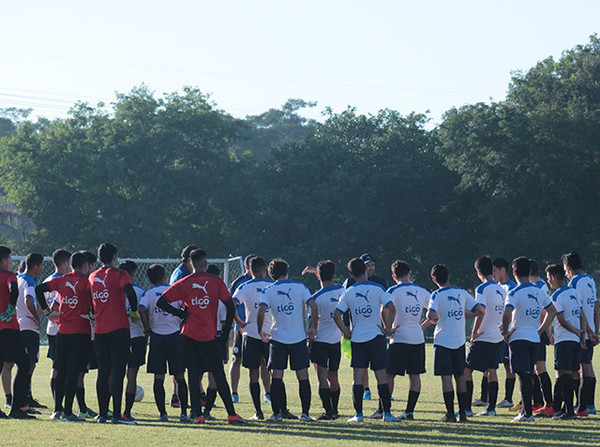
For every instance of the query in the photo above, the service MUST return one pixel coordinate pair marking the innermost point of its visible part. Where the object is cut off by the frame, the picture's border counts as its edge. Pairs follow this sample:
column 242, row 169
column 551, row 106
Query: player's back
column 249, row 294
column 327, row 300
column 161, row 322
column 492, row 295
column 286, row 301
column 26, row 285
column 410, row 301
column 108, row 297
column 450, row 303
column 527, row 300
column 586, row 287
column 568, row 303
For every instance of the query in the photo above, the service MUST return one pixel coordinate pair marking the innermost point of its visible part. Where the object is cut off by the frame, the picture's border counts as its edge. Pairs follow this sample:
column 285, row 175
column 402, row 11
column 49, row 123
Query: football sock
column 462, row 402
column 546, row 384
column 255, row 394
column 385, row 397
column 469, row 395
column 537, row 389
column 411, row 403
column 211, row 396
column 182, row 392
column 129, row 400
column 449, row 401
column 484, row 389
column 558, row 395
column 159, row 396
column 576, row 384
column 277, row 391
column 567, row 390
column 305, row 395
column 492, row 395
column 335, row 399
column 510, row 388
column 224, row 391
column 357, row 398
column 80, row 393
column 325, row 395
column 526, row 385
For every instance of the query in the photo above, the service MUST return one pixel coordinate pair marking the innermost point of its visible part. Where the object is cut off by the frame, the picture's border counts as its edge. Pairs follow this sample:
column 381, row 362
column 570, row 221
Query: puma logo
column 198, row 286
column 451, row 298
column 414, row 295
column 358, row 294
column 101, row 281
column 281, row 292
column 72, row 286
column 533, row 297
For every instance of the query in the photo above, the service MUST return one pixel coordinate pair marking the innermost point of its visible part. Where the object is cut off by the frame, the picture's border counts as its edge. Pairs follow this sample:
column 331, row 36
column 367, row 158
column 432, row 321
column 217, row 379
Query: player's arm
column 260, row 320
column 506, row 319
column 314, row 319
column 550, row 314
column 145, row 319
column 432, row 316
column 476, row 325
column 40, row 290
column 337, row 317
column 478, row 310
column 388, row 320
column 309, row 269
column 163, row 304
column 583, row 324
column 596, row 319
column 230, row 306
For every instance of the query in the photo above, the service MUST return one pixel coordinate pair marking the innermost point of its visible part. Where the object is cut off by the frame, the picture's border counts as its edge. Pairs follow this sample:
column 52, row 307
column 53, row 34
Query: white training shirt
column 449, row 303
column 51, row 298
column 135, row 329
column 27, row 321
column 221, row 316
column 586, row 287
column 527, row 300
column 364, row 300
column 249, row 294
column 327, row 300
column 541, row 284
column 567, row 301
column 286, row 301
column 491, row 295
column 161, row 322
column 410, row 301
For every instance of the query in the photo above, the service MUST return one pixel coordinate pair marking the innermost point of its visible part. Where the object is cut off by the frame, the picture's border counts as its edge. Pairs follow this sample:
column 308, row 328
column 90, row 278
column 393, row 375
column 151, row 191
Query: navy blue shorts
column 237, row 344
column 253, row 351
column 31, row 340
column 279, row 353
column 522, row 356
column 327, row 355
column 448, row 362
column 483, row 355
column 137, row 352
column 567, row 355
column 165, row 349
column 404, row 358
column 587, row 354
column 540, row 349
column 506, row 356
column 51, row 347
column 202, row 356
column 72, row 351
column 372, row 352
column 92, row 360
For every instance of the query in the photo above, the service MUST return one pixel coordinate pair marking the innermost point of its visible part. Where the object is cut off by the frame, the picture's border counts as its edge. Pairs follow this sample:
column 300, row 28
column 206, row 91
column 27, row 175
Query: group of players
column 100, row 318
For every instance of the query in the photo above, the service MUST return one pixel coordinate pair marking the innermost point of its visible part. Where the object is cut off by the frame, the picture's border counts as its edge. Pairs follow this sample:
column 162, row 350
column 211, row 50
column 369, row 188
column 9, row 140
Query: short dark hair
column 198, row 256
column 500, row 263
column 520, row 266
column 257, row 264
column 213, row 269
column 440, row 274
column 22, row 266
column 5, row 252
column 60, row 256
column 78, row 259
column 249, row 258
column 106, row 252
column 186, row 252
column 33, row 259
column 400, row 268
column 156, row 273
column 278, row 268
column 534, row 267
column 483, row 265
column 557, row 271
column 356, row 267
column 572, row 259
column 326, row 270
column 91, row 257
column 129, row 266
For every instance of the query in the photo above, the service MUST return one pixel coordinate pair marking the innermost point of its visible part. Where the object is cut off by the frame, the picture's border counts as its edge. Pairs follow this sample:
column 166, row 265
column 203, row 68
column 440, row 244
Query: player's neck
column 487, row 278
column 534, row 279
column 441, row 286
column 522, row 279
column 360, row 278
column 405, row 280
column 326, row 284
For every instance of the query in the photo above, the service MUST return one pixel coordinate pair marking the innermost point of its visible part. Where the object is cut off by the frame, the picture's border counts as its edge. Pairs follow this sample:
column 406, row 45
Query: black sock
column 182, row 392
column 484, row 389
column 385, row 397
column 592, row 401
column 255, row 394
column 492, row 395
column 305, row 395
column 537, row 390
column 449, row 402
column 325, row 395
column 584, row 394
column 379, row 406
column 558, row 395
column 526, row 385
column 9, row 399
column 211, row 396
column 357, row 398
column 80, row 393
column 469, row 395
column 283, row 397
column 567, row 388
column 335, row 399
column 575, row 384
column 546, row 385
column 174, row 398
column 509, row 385
column 223, row 390
column 413, row 397
column 129, row 400
column 277, row 391
column 159, row 396
column 462, row 402
column 52, row 386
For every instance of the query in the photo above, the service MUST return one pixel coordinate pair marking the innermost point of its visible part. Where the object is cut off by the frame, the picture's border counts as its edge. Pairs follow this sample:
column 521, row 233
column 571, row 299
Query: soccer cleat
column 467, row 413
column 35, row 404
column 109, row 414
column 184, row 419
column 462, row 417
column 536, row 406
column 267, row 399
column 325, row 417
column 31, row 410
column 516, row 407
column 522, row 418
column 487, row 412
column 564, row 416
column 101, row 419
column 123, row 420
column 89, row 414
column 71, row 418
column 275, row 418
column 367, row 395
column 199, row 420
column 505, row 404
column 335, row 416
column 407, row 416
column 129, row 417
column 235, row 398
column 449, row 417
column 357, row 418
column 56, row 416
column 175, row 401
column 479, row 403
column 285, row 414
column 591, row 409
column 389, row 417
column 257, row 417
column 163, row 418
column 582, row 413
column 376, row 415
column 236, row 419
column 392, row 398
column 306, row 418
column 208, row 416
column 19, row 414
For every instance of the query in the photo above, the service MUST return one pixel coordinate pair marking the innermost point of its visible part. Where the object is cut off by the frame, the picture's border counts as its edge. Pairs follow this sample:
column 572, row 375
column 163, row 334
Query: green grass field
column 426, row 430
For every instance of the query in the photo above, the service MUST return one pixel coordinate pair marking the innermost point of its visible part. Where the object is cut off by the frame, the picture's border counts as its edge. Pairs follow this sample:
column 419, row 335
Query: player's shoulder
column 373, row 284
column 489, row 286
column 522, row 288
column 334, row 288
column 560, row 293
column 26, row 279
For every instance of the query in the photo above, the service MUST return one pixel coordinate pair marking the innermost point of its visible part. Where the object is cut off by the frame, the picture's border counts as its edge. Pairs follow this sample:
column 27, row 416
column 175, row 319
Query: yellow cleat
column 517, row 407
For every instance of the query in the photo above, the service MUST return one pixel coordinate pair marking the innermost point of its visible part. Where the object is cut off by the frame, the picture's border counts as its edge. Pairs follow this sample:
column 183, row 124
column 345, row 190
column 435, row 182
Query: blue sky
column 253, row 55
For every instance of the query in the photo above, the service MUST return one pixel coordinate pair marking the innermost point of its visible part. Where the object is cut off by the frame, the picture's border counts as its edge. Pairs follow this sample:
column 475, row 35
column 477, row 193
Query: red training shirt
column 107, row 284
column 6, row 278
column 75, row 299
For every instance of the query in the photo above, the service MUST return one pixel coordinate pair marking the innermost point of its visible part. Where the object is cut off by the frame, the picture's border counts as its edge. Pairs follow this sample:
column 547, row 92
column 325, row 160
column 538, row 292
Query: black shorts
column 137, row 352
column 72, row 351
column 202, row 356
column 483, row 355
column 12, row 349
column 279, row 353
column 327, row 355
column 372, row 352
column 540, row 349
column 506, row 355
column 522, row 356
column 92, row 359
column 166, row 349
column 51, row 347
column 237, row 344
column 567, row 355
column 448, row 362
column 31, row 340
column 404, row 358
column 112, row 351
column 587, row 354
column 253, row 351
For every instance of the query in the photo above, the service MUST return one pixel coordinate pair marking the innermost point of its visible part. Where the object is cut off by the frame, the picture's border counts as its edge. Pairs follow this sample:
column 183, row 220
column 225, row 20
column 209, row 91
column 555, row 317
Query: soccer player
column 255, row 352
column 586, row 286
column 521, row 329
column 110, row 287
column 200, row 293
column 570, row 328
column 138, row 342
column 365, row 300
column 447, row 307
column 487, row 344
column 288, row 339
column 11, row 343
column 73, row 340
column 166, row 346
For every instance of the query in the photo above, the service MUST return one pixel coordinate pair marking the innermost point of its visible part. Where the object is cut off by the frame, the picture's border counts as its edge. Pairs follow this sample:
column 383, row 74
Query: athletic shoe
column 56, row 416
column 175, row 401
column 109, row 414
column 199, row 420
column 487, row 412
column 516, row 407
column 123, row 420
column 449, row 417
column 479, row 403
column 208, row 416
column 285, row 414
column 467, row 413
column 591, row 409
column 367, row 395
column 31, row 410
column 325, row 417
column 376, row 415
column 235, row 398
column 257, row 417
column 565, row 416
column 407, row 416
column 101, row 419
column 557, row 415
column 267, row 399
column 536, row 406
column 7, row 405
column 522, row 418
column 358, row 417
column 89, row 414
column 392, row 398
column 192, row 413
column 335, row 416
column 35, row 404
column 185, row 419
column 462, row 417
column 542, row 409
column 71, row 418
column 505, row 404
column 306, row 418
column 582, row 413
column 19, row 414
column 163, row 418
column 275, row 418
column 236, row 419
column 389, row 417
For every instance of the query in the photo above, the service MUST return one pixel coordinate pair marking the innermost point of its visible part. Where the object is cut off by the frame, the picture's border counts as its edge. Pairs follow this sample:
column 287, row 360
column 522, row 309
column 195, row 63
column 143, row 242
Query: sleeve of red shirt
column 52, row 284
column 124, row 279
column 172, row 294
column 224, row 294
column 10, row 279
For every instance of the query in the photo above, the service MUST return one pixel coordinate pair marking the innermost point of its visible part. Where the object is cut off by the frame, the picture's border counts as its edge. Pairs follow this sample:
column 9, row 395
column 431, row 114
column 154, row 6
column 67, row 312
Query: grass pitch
column 426, row 430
